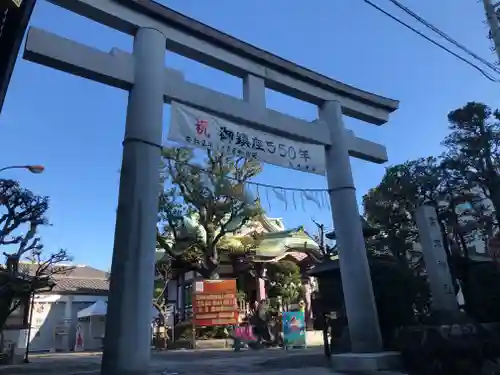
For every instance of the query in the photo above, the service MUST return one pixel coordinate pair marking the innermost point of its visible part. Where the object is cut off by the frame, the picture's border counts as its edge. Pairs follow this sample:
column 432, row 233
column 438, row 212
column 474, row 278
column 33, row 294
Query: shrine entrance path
column 209, row 362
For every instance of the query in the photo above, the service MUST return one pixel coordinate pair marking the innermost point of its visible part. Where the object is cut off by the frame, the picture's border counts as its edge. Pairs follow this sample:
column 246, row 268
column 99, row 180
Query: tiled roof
column 298, row 256
column 78, row 279
column 80, row 285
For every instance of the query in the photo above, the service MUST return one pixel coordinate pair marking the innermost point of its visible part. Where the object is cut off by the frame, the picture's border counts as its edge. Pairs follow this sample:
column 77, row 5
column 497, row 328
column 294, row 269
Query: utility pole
column 493, row 22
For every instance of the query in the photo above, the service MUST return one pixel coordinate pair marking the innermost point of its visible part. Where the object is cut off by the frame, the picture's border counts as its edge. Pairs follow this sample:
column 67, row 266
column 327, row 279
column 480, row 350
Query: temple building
column 248, row 265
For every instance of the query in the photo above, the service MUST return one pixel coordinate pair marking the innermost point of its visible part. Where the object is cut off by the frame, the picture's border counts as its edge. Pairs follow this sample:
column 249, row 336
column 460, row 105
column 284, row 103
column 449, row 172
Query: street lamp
column 36, row 169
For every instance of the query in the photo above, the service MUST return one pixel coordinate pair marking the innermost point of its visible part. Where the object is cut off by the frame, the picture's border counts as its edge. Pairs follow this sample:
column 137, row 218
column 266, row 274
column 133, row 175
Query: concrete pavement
column 189, row 362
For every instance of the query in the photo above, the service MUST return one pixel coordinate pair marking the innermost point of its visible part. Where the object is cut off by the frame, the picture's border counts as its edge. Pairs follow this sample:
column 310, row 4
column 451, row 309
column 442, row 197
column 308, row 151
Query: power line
column 444, row 35
column 437, row 44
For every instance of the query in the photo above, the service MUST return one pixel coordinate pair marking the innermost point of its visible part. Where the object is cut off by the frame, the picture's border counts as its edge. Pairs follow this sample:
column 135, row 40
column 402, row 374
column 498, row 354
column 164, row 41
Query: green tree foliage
column 284, row 281
column 391, row 204
column 463, row 184
column 163, row 274
column 473, row 149
column 401, row 297
column 214, row 192
column 439, row 181
column 482, row 291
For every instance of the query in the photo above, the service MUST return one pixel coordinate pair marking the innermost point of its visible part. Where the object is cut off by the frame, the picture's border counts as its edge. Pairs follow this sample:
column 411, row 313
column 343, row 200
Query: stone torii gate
column 143, row 73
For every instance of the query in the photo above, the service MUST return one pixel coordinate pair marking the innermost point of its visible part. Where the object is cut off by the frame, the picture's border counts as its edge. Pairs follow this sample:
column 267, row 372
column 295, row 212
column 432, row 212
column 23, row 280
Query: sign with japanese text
column 202, row 130
column 435, row 258
column 215, row 303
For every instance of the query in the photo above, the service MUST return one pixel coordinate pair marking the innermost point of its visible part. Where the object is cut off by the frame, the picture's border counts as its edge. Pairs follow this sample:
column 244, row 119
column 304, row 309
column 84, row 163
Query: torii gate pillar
column 135, row 236
column 359, row 301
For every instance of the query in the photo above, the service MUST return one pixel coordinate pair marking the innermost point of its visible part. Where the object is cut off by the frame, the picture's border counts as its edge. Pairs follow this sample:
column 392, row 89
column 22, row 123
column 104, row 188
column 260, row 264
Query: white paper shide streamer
column 202, row 130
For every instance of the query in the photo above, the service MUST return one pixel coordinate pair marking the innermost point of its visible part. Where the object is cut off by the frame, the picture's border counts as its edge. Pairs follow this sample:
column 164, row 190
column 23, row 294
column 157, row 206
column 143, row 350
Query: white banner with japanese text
column 202, row 130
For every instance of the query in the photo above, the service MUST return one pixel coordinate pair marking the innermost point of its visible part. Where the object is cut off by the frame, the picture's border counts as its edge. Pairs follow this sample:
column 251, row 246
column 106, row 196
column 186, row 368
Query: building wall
column 179, row 293
column 172, row 301
column 478, row 248
column 54, row 320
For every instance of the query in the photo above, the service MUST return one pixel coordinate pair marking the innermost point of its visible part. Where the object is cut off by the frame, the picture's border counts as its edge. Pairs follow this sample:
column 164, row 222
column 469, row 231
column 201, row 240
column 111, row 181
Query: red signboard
column 215, row 303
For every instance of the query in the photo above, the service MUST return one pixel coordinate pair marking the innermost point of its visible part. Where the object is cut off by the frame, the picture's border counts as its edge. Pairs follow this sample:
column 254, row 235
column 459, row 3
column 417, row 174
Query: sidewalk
column 190, row 362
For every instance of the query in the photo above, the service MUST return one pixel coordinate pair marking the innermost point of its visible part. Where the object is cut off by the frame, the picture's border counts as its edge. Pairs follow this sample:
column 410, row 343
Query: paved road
column 209, row 362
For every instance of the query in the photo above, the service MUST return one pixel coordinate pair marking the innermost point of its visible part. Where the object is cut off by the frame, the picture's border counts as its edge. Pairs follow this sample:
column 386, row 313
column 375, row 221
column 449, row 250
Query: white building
column 54, row 316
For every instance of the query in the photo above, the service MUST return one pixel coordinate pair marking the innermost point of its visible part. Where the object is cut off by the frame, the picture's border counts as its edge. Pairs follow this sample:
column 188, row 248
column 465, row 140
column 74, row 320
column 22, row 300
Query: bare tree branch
column 20, row 207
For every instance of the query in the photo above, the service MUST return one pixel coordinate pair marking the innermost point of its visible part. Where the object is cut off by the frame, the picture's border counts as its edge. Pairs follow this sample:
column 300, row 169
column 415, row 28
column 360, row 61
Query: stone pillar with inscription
column 436, row 261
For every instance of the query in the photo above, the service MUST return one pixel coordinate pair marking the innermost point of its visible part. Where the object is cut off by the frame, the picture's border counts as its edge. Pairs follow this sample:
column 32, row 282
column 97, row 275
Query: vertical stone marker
column 436, row 261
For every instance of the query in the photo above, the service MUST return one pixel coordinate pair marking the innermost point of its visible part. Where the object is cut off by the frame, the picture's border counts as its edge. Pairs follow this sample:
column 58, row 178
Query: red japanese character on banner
column 201, row 127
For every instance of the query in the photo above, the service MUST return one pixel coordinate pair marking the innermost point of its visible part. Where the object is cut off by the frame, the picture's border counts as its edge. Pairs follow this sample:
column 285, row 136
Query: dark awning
column 368, row 230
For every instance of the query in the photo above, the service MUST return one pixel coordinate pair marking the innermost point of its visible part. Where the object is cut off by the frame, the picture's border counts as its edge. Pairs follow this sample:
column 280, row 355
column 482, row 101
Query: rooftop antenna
column 321, row 234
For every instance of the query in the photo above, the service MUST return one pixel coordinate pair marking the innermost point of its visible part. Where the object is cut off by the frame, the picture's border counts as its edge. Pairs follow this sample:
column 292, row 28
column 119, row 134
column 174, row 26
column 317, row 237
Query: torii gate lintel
column 116, row 69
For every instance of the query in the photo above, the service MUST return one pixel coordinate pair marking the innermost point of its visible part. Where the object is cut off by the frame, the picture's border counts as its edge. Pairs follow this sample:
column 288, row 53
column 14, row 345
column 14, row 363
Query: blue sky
column 75, row 127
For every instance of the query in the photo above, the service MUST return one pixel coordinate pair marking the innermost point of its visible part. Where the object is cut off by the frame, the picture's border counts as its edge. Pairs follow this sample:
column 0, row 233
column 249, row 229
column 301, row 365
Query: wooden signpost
column 215, row 303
